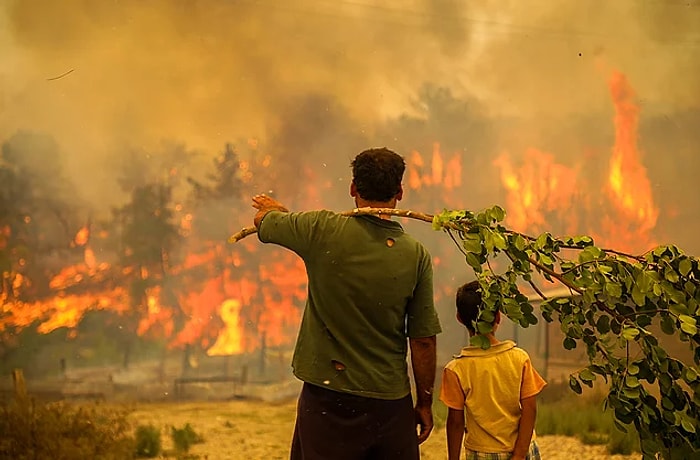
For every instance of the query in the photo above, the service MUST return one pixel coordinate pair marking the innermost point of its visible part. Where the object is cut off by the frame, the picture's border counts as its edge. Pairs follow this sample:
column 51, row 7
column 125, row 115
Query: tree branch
column 247, row 231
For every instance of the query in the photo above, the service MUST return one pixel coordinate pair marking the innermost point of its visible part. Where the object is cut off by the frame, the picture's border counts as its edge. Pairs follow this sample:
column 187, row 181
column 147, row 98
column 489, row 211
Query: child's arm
column 455, row 433
column 525, row 428
column 452, row 394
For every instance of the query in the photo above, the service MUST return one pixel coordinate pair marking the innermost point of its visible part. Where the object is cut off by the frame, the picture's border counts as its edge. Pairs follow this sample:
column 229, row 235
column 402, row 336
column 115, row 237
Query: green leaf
column 473, row 261
column 542, row 241
column 499, row 241
column 519, row 242
column 630, row 333
column 569, row 343
column 472, row 245
column 688, row 324
column 687, row 319
column 603, row 324
column 483, row 327
column 643, row 320
column 487, row 315
column 690, row 375
column 613, row 290
column 687, row 423
column 631, row 381
column 480, row 341
column 586, row 375
column 498, row 213
column 689, row 329
column 575, row 385
column 678, row 309
column 638, row 297
column 671, row 275
column 685, row 266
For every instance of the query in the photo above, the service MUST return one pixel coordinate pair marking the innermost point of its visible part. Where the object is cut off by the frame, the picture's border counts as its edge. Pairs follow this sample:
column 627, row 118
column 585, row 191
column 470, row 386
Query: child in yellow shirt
column 491, row 394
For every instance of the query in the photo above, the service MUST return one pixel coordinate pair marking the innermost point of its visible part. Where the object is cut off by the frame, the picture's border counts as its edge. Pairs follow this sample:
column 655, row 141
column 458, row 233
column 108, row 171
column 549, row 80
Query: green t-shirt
column 370, row 287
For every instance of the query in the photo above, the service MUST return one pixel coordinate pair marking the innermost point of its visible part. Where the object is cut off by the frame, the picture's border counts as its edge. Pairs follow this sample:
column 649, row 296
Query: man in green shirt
column 370, row 298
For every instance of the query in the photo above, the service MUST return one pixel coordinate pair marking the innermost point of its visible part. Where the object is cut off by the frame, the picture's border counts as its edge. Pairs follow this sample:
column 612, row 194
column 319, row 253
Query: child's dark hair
column 468, row 302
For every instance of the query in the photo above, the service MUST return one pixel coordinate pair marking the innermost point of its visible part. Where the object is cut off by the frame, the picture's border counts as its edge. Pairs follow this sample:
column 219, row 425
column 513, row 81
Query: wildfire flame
column 237, row 301
column 541, row 191
column 446, row 177
column 629, row 186
column 537, row 189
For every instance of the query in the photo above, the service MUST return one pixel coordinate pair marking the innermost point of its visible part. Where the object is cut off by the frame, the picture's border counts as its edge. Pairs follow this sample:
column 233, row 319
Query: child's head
column 468, row 301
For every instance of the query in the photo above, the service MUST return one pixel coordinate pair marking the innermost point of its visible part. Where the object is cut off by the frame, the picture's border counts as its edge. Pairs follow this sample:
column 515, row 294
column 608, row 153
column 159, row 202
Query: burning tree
column 149, row 238
column 37, row 223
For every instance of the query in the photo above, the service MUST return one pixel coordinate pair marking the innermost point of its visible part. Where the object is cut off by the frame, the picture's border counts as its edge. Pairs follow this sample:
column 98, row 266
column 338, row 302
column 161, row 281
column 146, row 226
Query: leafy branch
column 615, row 301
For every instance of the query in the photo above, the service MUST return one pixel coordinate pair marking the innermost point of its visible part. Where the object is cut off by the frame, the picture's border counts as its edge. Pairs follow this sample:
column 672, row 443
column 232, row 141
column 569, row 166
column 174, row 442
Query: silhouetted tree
column 149, row 238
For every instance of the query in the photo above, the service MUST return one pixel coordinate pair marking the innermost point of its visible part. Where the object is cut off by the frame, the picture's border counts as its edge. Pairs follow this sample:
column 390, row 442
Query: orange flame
column 537, row 189
column 629, row 186
column 82, row 237
column 541, row 191
column 229, row 341
column 443, row 177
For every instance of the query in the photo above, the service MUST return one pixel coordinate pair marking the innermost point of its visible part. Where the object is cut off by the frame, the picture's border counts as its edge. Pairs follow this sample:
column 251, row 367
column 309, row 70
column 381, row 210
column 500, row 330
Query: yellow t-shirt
column 489, row 385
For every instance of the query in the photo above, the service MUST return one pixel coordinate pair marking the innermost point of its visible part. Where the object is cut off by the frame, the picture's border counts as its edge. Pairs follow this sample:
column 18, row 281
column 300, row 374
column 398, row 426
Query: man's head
column 468, row 302
column 377, row 175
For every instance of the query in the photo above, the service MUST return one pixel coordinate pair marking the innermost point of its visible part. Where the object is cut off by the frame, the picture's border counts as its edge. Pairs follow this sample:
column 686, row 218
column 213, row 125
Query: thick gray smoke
column 133, row 73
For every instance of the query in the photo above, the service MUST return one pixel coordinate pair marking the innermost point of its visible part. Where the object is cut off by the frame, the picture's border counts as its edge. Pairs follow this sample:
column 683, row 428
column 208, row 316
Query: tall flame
column 542, row 192
column 629, row 186
column 229, row 341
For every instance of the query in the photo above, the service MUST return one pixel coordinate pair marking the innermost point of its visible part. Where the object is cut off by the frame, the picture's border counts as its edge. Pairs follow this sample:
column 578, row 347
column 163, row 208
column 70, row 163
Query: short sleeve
column 533, row 383
column 451, row 392
column 421, row 317
column 293, row 230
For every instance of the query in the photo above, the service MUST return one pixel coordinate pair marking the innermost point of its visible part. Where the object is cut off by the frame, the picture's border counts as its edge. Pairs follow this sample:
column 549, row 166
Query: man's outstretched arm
column 423, row 361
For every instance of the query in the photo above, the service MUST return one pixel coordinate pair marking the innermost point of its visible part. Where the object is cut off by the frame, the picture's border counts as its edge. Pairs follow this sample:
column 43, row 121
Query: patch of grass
column 561, row 412
column 439, row 413
column 593, row 438
column 60, row 430
column 623, row 443
column 148, row 441
column 183, row 438
column 572, row 419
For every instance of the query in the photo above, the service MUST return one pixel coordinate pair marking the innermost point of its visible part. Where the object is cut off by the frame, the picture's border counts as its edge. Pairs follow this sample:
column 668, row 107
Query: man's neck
column 360, row 203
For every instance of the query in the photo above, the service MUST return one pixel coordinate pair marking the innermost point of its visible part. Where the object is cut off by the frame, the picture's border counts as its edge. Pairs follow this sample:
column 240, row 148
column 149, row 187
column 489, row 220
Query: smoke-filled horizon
column 322, row 79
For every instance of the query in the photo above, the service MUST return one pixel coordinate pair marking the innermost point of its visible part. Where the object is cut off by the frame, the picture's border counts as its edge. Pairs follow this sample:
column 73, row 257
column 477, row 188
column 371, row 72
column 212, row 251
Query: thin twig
column 60, row 76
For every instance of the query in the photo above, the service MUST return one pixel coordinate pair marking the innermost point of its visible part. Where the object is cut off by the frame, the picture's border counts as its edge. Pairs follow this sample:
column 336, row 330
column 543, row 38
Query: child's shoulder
column 521, row 352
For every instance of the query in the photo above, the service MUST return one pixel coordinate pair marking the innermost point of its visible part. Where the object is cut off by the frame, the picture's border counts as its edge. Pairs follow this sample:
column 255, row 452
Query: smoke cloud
column 98, row 75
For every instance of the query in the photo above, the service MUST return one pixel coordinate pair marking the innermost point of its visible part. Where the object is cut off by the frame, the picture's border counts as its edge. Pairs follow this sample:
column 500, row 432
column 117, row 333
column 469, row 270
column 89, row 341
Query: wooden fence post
column 20, row 384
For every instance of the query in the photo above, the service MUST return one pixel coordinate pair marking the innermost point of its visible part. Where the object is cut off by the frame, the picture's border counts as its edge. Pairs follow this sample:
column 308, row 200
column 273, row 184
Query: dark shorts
column 339, row 426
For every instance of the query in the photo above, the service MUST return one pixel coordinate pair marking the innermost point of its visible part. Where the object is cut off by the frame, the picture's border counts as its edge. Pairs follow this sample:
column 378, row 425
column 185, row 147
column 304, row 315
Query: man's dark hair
column 468, row 302
column 377, row 174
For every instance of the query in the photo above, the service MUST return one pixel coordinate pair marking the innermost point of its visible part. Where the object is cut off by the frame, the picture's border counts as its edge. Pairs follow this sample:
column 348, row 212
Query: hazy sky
column 209, row 71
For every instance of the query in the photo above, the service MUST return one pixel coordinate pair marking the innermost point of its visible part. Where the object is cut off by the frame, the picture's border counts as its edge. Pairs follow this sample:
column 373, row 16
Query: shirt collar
column 478, row 351
column 388, row 223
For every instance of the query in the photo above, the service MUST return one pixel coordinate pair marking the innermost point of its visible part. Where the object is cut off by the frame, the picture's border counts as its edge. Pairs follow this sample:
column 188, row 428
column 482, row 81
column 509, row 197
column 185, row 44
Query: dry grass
column 260, row 430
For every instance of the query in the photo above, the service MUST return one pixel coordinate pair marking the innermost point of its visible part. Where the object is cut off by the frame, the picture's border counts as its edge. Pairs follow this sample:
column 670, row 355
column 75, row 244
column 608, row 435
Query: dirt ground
column 247, row 430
